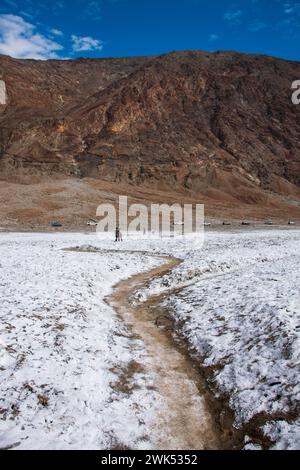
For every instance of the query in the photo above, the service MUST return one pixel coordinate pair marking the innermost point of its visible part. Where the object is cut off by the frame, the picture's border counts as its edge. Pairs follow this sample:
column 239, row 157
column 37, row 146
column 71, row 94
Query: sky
column 117, row 28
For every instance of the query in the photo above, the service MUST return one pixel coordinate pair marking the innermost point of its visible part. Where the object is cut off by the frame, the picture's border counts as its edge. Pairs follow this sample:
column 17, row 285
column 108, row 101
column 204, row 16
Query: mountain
column 217, row 125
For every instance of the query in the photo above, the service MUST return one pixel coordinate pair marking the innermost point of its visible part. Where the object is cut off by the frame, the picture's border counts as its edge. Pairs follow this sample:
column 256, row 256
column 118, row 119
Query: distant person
column 117, row 235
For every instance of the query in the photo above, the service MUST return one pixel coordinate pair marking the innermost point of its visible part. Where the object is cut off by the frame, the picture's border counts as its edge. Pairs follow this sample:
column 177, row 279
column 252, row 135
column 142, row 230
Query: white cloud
column 256, row 26
column 93, row 10
column 18, row 38
column 213, row 37
column 233, row 15
column 86, row 43
column 11, row 3
column 290, row 8
column 56, row 32
column 290, row 24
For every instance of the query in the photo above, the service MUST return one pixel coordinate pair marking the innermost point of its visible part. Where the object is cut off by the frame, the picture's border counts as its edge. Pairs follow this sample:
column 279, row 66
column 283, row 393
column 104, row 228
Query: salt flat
column 241, row 315
column 63, row 348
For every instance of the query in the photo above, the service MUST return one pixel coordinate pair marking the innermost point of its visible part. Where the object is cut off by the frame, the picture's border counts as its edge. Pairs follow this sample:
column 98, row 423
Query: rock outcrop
column 194, row 121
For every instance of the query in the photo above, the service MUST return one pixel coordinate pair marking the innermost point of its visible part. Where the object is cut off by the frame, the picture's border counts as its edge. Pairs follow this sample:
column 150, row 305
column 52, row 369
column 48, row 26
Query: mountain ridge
column 191, row 121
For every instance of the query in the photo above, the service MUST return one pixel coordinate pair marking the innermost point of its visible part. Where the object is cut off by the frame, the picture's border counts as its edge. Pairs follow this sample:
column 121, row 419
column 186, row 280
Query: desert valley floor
column 150, row 344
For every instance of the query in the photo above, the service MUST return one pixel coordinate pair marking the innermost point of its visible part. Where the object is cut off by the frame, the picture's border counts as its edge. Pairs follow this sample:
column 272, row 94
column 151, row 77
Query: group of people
column 119, row 237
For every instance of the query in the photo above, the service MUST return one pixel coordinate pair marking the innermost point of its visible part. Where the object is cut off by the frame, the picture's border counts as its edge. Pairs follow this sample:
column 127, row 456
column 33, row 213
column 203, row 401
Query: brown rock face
column 196, row 121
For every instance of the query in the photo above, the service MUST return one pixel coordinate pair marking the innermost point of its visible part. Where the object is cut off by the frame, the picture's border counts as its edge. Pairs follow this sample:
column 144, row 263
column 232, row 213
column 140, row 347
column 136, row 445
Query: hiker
column 119, row 236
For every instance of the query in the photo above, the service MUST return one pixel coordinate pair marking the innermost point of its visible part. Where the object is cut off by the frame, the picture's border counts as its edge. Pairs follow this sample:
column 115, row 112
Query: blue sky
column 110, row 28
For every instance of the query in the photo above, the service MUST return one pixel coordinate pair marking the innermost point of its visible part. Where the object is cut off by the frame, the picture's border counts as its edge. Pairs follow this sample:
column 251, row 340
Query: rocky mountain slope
column 216, row 124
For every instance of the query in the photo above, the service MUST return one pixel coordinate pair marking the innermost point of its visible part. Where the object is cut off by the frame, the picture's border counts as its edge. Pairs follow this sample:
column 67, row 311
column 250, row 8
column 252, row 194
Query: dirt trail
column 186, row 422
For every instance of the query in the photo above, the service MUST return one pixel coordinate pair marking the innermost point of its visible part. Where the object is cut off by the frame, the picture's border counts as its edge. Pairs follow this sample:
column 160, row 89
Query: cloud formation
column 20, row 39
column 292, row 8
column 233, row 16
column 213, row 37
column 56, row 32
column 256, row 26
column 86, row 43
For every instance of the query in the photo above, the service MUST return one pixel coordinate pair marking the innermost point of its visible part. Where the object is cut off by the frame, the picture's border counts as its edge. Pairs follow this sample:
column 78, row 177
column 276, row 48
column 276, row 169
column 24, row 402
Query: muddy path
column 187, row 420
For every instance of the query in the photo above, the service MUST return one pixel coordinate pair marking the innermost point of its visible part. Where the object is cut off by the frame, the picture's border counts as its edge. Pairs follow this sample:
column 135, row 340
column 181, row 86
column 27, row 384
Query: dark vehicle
column 56, row 224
